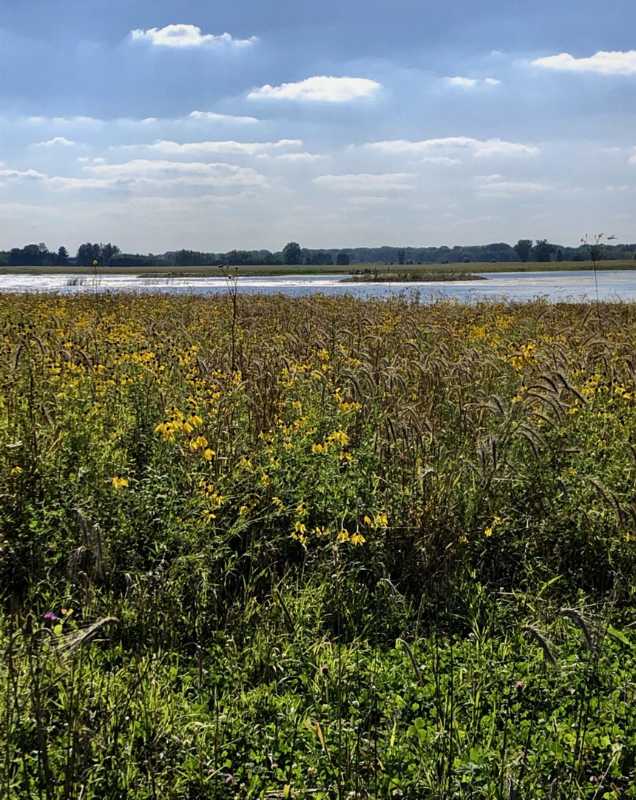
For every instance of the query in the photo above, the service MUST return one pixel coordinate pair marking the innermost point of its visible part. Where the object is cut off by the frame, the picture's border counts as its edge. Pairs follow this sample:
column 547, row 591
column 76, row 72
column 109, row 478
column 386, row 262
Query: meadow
column 316, row 548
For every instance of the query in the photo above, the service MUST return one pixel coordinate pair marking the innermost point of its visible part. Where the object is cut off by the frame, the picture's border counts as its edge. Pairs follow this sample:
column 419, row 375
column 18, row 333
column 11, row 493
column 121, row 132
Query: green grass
column 316, row 548
column 213, row 271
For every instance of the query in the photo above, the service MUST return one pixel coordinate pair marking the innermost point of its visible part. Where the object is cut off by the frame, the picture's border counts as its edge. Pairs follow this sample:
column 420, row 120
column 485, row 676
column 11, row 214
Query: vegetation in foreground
column 316, row 548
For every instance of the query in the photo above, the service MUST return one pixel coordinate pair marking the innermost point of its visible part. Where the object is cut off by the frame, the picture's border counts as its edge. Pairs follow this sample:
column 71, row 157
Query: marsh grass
column 316, row 548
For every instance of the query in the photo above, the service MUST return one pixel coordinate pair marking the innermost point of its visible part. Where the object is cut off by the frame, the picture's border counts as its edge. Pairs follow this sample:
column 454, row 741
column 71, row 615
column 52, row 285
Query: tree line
column 109, row 255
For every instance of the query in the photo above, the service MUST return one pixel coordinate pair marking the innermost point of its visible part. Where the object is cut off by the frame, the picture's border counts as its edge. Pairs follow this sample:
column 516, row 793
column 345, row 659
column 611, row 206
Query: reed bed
column 263, row 547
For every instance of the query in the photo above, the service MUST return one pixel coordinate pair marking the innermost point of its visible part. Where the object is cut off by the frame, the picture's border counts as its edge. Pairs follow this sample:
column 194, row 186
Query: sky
column 165, row 124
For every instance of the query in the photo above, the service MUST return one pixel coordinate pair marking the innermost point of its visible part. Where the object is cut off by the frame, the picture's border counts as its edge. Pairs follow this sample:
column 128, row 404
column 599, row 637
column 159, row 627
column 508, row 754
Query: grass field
column 213, row 271
column 316, row 548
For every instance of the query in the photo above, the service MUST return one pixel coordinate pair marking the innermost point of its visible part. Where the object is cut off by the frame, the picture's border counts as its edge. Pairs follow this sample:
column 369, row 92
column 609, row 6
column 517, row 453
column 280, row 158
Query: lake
column 554, row 286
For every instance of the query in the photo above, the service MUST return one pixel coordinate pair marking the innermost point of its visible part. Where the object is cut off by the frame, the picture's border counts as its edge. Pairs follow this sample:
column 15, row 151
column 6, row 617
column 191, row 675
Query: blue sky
column 161, row 124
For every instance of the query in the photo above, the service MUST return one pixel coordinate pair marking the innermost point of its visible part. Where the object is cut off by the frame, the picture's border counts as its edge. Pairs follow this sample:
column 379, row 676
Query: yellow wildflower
column 119, row 483
column 338, row 437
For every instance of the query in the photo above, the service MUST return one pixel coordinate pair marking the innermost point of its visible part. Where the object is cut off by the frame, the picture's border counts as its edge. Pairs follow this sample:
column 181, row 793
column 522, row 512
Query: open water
column 518, row 286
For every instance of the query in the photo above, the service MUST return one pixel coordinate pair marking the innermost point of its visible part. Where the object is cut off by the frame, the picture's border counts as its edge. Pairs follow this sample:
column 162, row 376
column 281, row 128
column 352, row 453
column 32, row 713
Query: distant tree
column 107, row 252
column 343, row 259
column 543, row 250
column 88, row 253
column 292, row 254
column 30, row 256
column 62, row 257
column 401, row 256
column 559, row 254
column 317, row 258
column 523, row 248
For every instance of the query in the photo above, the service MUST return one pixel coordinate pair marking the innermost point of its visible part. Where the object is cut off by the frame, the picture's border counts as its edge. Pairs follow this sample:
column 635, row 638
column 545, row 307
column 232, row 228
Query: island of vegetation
column 424, row 276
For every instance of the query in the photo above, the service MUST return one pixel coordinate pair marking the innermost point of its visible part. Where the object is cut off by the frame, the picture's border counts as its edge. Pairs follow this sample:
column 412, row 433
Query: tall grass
column 315, row 548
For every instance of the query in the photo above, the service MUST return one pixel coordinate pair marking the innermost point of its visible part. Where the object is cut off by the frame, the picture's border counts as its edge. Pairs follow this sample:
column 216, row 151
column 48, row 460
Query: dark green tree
column 108, row 251
column 292, row 253
column 523, row 248
column 88, row 253
column 62, row 257
column 543, row 250
column 343, row 259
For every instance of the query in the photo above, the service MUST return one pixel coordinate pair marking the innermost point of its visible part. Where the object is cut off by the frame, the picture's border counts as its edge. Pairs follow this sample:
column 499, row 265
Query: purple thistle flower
column 50, row 616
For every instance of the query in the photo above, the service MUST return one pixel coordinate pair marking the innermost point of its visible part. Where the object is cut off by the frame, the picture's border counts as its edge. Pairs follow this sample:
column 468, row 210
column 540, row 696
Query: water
column 554, row 286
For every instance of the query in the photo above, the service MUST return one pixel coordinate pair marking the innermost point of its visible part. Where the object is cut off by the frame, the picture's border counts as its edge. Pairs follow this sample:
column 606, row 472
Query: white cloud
column 175, row 172
column 20, row 174
column 230, row 119
column 57, row 141
column 141, row 174
column 293, row 158
column 191, row 118
column 471, row 83
column 59, row 183
column 478, row 148
column 183, row 36
column 499, row 186
column 604, row 62
column 632, row 158
column 226, row 148
column 319, row 89
column 363, row 182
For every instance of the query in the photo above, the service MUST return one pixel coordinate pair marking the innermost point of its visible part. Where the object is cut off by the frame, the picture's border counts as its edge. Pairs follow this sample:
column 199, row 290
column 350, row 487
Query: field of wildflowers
column 316, row 548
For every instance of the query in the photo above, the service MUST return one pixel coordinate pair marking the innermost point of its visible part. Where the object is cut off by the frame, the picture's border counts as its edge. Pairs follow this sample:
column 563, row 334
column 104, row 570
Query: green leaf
column 620, row 637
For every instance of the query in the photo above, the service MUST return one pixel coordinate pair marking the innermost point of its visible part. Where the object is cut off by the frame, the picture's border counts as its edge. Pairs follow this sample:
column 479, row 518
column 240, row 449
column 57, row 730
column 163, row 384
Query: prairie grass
column 316, row 548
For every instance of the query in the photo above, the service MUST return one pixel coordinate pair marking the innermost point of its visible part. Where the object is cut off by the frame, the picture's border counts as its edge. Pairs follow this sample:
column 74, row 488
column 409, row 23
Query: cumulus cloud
column 227, row 148
column 478, row 148
column 471, row 83
column 212, row 116
column 616, row 62
column 364, row 182
column 185, row 36
column 57, row 141
column 319, row 89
